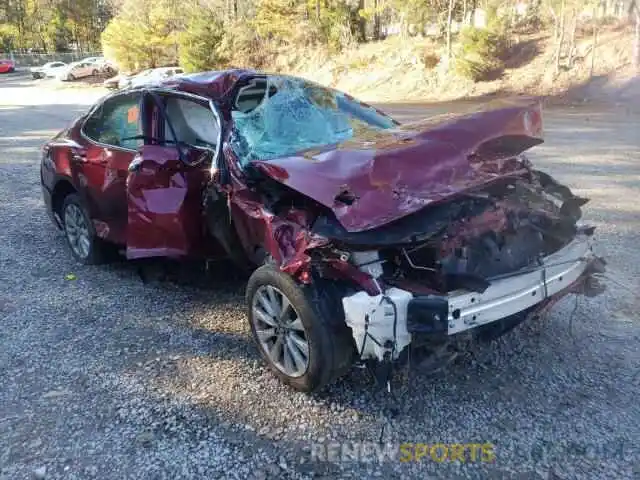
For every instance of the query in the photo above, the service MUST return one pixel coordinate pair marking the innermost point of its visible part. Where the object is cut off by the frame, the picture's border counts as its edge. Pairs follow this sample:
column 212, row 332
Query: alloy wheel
column 77, row 231
column 280, row 331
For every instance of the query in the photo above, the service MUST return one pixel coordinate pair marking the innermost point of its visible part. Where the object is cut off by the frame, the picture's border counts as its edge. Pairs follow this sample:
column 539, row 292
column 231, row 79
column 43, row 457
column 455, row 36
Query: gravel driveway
column 106, row 376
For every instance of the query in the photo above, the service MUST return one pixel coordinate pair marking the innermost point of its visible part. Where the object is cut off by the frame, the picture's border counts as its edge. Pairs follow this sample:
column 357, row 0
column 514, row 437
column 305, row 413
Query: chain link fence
column 38, row 59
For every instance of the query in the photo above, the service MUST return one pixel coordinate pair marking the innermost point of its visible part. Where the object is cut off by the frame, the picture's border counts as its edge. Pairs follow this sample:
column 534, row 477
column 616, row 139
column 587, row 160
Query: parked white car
column 150, row 76
column 50, row 69
column 78, row 70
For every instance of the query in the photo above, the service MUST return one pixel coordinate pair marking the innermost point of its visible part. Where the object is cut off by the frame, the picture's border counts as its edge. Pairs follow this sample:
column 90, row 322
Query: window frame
column 204, row 101
column 101, row 105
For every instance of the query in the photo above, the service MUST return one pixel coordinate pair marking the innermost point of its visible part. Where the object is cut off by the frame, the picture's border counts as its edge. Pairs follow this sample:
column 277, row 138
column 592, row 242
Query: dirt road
column 106, row 377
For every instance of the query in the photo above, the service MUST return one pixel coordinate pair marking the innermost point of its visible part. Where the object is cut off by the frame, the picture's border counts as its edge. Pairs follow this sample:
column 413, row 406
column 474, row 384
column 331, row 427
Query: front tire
column 297, row 343
column 86, row 247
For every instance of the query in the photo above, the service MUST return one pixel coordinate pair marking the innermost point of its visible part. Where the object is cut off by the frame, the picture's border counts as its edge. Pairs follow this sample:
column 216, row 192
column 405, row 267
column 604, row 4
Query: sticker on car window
column 132, row 114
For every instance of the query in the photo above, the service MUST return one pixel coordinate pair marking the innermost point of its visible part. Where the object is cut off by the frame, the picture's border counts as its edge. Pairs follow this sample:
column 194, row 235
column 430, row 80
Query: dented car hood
column 380, row 176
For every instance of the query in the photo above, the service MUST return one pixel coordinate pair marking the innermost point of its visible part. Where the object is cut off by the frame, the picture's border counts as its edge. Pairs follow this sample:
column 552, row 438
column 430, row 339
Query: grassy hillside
column 409, row 69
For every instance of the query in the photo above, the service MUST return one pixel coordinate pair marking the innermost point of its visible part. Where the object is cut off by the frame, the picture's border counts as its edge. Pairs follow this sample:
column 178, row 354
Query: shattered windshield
column 281, row 116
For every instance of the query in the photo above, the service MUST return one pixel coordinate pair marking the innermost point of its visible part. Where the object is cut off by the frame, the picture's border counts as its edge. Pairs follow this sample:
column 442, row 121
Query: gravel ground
column 107, row 377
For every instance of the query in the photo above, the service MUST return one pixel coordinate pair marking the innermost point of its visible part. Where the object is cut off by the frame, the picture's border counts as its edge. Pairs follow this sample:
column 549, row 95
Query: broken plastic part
column 369, row 262
column 376, row 320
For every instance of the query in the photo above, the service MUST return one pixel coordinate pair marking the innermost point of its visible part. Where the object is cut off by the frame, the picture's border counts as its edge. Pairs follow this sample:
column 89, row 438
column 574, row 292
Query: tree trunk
column 636, row 45
column 449, row 20
column 572, row 40
column 556, row 27
column 376, row 21
column 593, row 49
column 362, row 23
column 560, row 38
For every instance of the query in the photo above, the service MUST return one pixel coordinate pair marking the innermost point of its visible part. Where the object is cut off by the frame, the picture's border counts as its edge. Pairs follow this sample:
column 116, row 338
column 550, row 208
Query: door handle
column 79, row 156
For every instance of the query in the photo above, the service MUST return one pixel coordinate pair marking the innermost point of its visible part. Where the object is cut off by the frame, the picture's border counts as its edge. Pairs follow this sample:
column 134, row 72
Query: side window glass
column 194, row 123
column 116, row 121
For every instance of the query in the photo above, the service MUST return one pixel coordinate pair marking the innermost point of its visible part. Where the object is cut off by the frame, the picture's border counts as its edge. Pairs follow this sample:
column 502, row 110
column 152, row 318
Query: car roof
column 215, row 85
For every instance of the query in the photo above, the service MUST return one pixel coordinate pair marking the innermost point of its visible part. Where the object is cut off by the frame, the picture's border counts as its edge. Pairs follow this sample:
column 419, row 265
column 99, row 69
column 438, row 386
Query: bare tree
column 560, row 36
column 449, row 21
column 634, row 9
column 572, row 38
column 595, row 44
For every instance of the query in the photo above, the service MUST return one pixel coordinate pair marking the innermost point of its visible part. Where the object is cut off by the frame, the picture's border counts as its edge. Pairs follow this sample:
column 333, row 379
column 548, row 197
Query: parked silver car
column 149, row 76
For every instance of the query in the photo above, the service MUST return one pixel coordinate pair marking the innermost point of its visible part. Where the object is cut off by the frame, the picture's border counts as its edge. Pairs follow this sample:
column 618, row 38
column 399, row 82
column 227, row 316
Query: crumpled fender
column 286, row 238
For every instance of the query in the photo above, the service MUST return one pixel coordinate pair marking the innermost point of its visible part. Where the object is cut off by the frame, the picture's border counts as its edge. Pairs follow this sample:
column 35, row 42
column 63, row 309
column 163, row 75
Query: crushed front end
column 469, row 268
column 407, row 237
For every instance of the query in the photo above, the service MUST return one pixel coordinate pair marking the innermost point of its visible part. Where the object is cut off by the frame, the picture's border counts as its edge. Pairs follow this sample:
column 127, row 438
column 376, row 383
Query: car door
column 83, row 70
column 168, row 176
column 113, row 134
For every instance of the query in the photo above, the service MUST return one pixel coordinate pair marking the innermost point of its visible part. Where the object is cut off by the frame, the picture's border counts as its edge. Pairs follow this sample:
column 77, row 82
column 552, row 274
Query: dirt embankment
column 399, row 69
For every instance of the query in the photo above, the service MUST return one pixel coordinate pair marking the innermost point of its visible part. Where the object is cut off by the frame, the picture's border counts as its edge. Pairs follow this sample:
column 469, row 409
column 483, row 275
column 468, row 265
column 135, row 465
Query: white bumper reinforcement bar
column 513, row 294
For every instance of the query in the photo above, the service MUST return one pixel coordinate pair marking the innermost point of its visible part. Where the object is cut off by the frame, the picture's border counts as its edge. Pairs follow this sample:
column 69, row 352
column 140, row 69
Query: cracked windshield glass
column 281, row 116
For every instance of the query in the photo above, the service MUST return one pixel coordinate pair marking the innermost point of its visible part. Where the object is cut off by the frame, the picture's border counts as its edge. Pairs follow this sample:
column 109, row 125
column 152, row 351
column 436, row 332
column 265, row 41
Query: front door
column 167, row 178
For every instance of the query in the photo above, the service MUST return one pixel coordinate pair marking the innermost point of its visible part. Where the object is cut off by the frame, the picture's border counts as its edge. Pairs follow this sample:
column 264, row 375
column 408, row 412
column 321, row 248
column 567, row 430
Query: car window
column 193, row 122
column 116, row 121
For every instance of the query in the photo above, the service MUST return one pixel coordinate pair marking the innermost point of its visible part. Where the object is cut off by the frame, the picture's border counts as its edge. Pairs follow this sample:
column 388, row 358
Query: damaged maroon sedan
column 366, row 238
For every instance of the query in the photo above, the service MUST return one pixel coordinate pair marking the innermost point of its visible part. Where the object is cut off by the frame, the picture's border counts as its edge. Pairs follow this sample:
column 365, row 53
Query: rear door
column 167, row 178
column 84, row 70
column 113, row 135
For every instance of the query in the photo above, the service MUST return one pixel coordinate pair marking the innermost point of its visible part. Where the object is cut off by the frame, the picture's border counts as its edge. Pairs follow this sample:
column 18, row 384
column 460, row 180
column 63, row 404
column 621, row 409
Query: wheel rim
column 77, row 230
column 280, row 331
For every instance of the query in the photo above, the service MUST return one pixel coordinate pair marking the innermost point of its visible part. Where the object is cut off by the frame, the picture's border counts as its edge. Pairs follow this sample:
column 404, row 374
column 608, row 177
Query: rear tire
column 329, row 351
column 86, row 247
